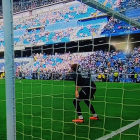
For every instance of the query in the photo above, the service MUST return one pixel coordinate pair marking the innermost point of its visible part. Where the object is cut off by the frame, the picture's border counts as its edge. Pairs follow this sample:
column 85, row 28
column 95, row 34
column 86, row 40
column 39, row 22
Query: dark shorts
column 87, row 93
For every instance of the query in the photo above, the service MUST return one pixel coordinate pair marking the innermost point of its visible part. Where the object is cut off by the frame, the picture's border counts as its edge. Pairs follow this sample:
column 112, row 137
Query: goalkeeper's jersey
column 81, row 81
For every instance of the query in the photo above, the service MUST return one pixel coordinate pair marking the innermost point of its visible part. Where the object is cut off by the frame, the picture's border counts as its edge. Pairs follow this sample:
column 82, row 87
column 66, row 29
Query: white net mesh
column 46, row 110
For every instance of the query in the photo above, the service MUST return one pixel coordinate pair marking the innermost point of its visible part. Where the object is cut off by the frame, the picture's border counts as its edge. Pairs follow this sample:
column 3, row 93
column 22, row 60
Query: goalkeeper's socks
column 81, row 117
column 94, row 117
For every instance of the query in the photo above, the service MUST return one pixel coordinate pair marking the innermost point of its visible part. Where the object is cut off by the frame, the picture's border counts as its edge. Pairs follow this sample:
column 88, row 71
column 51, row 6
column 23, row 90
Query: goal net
column 44, row 105
column 106, row 52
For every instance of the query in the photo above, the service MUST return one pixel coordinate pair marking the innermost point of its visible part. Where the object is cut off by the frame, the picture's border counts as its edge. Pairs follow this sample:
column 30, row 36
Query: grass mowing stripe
column 31, row 91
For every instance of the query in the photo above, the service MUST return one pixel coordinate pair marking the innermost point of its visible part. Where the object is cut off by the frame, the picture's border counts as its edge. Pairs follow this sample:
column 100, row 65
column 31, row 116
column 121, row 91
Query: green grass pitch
column 44, row 110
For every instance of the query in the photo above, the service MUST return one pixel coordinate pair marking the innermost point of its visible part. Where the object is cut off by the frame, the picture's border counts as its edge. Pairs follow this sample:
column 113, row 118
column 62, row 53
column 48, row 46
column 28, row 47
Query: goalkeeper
column 88, row 89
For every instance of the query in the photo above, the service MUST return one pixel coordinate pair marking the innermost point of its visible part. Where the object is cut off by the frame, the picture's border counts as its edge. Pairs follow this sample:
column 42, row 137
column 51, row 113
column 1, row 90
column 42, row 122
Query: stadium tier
column 22, row 6
column 57, row 66
column 95, row 63
column 75, row 21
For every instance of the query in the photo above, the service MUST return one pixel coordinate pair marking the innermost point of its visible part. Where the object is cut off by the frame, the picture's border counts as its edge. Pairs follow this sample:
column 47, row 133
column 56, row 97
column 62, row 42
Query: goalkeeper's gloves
column 76, row 93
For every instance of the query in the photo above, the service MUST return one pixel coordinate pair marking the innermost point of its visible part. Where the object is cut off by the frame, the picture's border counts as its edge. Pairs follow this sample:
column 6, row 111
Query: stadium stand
column 22, row 6
column 95, row 63
column 116, row 27
column 19, row 63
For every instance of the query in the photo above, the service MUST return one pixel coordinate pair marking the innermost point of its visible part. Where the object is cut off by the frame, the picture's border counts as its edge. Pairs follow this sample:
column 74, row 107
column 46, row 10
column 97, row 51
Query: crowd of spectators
column 119, row 5
column 45, row 36
column 101, row 65
column 116, row 26
column 50, row 17
column 39, row 23
column 43, row 20
column 22, row 6
column 123, row 5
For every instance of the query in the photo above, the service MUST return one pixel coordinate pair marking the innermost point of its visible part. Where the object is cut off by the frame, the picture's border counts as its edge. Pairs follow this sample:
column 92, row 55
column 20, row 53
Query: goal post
column 9, row 68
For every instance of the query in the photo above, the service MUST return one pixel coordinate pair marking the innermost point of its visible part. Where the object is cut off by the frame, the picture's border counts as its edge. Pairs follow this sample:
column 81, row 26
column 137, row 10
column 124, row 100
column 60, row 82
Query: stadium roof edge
column 110, row 12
